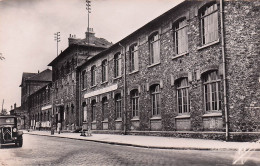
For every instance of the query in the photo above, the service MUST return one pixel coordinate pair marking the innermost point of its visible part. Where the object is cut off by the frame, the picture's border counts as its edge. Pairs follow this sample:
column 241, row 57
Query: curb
column 141, row 146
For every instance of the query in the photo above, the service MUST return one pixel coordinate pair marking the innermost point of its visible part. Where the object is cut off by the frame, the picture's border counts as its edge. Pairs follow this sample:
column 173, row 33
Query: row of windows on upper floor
column 211, row 98
column 209, row 34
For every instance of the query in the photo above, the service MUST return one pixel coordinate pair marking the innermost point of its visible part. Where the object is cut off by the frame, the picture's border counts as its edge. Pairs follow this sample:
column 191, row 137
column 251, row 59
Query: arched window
column 93, row 75
column 154, row 47
column 84, row 111
column 118, row 105
column 211, row 86
column 93, row 110
column 135, row 102
column 83, row 79
column 180, row 36
column 104, row 108
column 117, row 64
column 133, row 58
column 104, row 70
column 156, row 99
column 183, row 96
column 209, row 23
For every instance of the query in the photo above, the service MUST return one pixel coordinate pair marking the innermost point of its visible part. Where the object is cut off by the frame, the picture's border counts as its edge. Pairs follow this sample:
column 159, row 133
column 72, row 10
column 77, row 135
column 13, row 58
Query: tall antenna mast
column 57, row 38
column 88, row 7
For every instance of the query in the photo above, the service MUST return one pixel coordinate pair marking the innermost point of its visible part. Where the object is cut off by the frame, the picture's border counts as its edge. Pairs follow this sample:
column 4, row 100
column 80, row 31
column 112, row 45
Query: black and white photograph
column 129, row 82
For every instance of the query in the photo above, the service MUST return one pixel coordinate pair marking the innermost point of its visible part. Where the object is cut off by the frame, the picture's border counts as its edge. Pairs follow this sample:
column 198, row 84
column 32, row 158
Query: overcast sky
column 27, row 30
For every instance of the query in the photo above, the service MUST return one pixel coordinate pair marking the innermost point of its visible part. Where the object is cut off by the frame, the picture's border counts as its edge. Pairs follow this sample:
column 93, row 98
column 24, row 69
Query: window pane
column 156, row 51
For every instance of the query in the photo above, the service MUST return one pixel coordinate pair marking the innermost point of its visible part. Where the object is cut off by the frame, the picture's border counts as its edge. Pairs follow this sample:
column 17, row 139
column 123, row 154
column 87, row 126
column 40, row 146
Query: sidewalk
column 154, row 142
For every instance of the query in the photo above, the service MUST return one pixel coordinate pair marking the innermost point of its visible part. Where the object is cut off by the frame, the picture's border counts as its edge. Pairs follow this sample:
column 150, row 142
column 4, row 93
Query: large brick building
column 191, row 72
column 65, row 79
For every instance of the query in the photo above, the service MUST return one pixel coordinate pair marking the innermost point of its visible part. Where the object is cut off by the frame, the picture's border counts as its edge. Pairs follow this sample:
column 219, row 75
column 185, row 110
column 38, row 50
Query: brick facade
column 195, row 65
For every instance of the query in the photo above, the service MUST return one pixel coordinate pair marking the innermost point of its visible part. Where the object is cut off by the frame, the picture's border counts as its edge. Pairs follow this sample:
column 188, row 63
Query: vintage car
column 9, row 131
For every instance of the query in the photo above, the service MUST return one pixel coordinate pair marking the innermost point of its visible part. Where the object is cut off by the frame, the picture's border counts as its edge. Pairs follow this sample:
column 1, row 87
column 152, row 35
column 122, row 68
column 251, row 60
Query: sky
column 27, row 30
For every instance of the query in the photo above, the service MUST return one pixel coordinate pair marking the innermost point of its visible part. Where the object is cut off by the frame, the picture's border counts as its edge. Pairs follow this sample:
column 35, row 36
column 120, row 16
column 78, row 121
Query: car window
column 6, row 120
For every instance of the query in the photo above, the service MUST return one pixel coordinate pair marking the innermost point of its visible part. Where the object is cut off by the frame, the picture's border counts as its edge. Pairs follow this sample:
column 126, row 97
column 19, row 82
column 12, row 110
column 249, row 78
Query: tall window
column 104, row 108
column 135, row 103
column 118, row 105
column 93, row 75
column 211, row 84
column 104, row 70
column 209, row 23
column 117, row 64
column 83, row 79
column 93, row 110
column 84, row 111
column 156, row 99
column 154, row 47
column 181, row 36
column 183, row 96
column 133, row 57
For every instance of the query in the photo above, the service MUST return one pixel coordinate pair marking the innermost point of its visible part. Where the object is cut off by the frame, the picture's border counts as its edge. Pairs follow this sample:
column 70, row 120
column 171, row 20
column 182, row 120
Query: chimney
column 90, row 32
column 11, row 107
column 38, row 71
column 14, row 105
column 72, row 39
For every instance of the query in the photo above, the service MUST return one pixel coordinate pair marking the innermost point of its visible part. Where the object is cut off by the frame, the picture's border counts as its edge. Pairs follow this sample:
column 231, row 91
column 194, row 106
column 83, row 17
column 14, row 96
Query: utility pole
column 57, row 38
column 88, row 7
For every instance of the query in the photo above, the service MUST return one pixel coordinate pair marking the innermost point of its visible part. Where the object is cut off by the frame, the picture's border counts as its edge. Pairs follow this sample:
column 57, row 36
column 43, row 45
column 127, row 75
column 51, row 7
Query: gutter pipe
column 224, row 69
column 124, row 50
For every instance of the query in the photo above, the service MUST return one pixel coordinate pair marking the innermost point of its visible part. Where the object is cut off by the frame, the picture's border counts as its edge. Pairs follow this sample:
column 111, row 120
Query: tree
column 1, row 56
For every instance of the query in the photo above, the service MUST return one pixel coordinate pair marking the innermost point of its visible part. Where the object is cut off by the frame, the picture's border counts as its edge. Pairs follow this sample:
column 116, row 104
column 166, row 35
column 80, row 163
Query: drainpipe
column 124, row 48
column 224, row 69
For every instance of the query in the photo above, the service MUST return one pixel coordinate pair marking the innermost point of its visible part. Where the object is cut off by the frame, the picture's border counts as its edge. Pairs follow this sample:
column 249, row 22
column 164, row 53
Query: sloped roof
column 26, row 76
column 94, row 42
column 45, row 75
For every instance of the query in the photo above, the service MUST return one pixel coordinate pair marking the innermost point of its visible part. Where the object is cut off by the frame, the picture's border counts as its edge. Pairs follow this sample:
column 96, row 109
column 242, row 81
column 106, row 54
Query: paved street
column 42, row 150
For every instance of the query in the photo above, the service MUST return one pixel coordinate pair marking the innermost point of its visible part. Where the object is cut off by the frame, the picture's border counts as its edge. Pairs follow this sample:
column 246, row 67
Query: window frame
column 177, row 28
column 133, row 57
column 182, row 89
column 152, row 42
column 93, row 75
column 118, row 105
column 93, row 110
column 104, row 71
column 208, row 93
column 134, row 96
column 203, row 15
column 83, row 75
column 104, row 108
column 155, row 92
column 117, row 64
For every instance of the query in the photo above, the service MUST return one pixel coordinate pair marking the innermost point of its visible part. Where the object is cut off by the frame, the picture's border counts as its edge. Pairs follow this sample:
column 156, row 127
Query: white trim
column 101, row 91
column 46, row 107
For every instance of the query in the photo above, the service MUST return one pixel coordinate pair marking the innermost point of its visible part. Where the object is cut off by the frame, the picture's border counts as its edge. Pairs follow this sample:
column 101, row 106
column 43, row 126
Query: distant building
column 65, row 78
column 32, row 82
